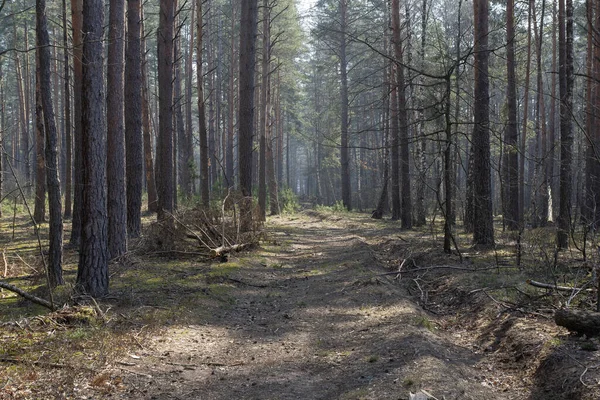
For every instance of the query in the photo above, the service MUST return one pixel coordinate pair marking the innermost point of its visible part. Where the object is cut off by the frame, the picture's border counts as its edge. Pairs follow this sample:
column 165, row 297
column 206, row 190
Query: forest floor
column 315, row 312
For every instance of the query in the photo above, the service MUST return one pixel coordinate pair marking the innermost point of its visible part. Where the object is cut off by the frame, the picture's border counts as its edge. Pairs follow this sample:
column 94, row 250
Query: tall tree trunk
column 510, row 164
column 179, row 155
column 212, row 97
column 280, row 133
column 187, row 143
column 264, row 109
column 164, row 176
column 2, row 133
column 591, row 204
column 248, row 28
column 134, row 145
column 448, row 172
column 76, row 22
column 53, row 183
column 588, row 197
column 271, row 176
column 406, row 207
column 146, row 131
column 395, row 128
column 422, row 145
column 483, row 232
column 21, row 152
column 92, row 273
column 451, row 180
column 67, row 109
column 344, row 155
column 550, row 158
column 596, row 131
column 115, row 156
column 204, row 163
column 542, row 133
column 229, row 164
column 565, row 39
column 523, row 144
column 23, row 95
column 39, row 210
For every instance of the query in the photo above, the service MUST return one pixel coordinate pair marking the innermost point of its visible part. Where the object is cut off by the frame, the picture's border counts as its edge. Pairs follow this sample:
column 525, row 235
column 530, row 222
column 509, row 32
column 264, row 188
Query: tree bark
column 51, row 153
column 67, row 108
column 402, row 116
column 249, row 17
column 523, row 144
column 565, row 39
column 39, row 210
column 542, row 132
column 92, row 273
column 231, row 99
column 146, row 127
column 483, row 232
column 2, row 128
column 344, row 156
column 510, row 164
column 164, row 176
column 76, row 22
column 115, row 155
column 421, row 216
column 550, row 158
column 187, row 144
column 204, row 163
column 134, row 144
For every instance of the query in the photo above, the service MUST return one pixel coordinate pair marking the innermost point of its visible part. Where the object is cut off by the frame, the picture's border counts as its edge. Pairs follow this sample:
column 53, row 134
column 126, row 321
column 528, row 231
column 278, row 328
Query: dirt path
column 307, row 319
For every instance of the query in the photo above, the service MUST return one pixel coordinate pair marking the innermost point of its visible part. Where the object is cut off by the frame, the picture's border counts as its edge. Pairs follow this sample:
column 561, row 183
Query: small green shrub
column 288, row 201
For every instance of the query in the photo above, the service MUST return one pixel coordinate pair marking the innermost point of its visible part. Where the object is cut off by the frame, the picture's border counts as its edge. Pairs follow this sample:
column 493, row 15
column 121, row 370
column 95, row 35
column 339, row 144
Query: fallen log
column 579, row 321
column 26, row 295
column 222, row 250
column 555, row 287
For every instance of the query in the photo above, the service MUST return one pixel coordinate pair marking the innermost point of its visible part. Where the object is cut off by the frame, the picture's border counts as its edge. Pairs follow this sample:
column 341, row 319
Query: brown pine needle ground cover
column 317, row 311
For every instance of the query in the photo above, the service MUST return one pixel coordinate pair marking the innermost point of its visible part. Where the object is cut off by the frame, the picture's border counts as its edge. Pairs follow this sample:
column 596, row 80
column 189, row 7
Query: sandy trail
column 307, row 318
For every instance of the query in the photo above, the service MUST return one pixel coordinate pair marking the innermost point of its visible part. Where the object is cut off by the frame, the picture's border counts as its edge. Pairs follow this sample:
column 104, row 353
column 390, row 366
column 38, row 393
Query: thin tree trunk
column 134, row 144
column 523, row 144
column 264, row 109
column 2, row 133
column 52, row 180
column 39, row 210
column 270, row 159
column 76, row 22
column 146, row 129
column 542, row 215
column 204, row 163
column 344, row 156
column 179, row 156
column 422, row 145
column 229, row 164
column 395, row 128
column 565, row 32
column 551, row 154
column 448, row 174
column 510, row 165
column 67, row 108
column 187, row 154
column 404, row 157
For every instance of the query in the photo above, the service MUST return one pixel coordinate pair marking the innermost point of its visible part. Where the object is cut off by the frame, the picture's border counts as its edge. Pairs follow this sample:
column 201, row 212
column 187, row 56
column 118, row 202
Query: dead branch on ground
column 26, row 295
